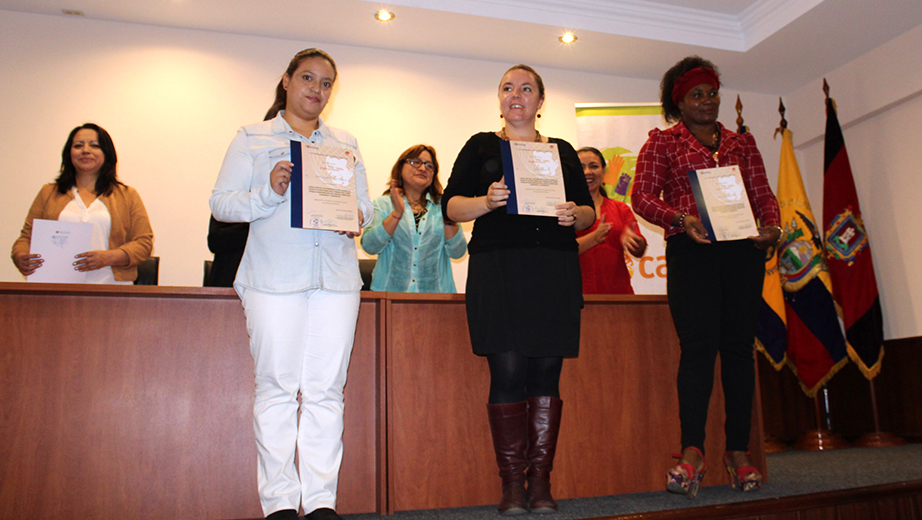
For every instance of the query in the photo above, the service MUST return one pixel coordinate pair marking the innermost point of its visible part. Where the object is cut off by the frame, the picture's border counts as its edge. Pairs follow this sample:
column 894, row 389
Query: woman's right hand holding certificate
column 695, row 229
column 497, row 194
column 27, row 263
column 280, row 177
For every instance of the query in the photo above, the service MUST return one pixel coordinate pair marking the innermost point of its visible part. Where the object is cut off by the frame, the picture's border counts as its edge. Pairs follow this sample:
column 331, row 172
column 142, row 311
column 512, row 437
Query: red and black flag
column 848, row 253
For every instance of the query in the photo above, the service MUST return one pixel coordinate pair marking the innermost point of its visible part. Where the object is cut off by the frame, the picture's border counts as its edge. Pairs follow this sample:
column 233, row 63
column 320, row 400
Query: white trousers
column 301, row 343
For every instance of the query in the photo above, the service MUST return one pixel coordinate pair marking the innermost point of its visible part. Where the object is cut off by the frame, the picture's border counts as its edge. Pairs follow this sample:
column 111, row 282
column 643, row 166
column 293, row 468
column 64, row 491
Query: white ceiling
column 770, row 46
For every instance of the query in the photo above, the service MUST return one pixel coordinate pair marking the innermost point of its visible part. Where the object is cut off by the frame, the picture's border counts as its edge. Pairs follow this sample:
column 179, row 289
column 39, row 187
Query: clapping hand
column 633, row 243
column 601, row 232
column 397, row 200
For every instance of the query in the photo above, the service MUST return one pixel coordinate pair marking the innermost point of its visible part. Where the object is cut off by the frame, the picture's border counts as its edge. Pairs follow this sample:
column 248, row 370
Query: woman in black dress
column 524, row 292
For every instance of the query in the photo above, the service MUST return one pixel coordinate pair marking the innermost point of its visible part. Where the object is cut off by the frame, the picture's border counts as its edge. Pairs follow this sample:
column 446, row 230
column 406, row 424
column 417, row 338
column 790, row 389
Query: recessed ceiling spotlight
column 567, row 37
column 384, row 15
column 72, row 12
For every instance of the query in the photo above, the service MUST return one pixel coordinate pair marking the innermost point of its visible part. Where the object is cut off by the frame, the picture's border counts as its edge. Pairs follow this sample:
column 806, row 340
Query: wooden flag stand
column 771, row 444
column 821, row 438
column 877, row 438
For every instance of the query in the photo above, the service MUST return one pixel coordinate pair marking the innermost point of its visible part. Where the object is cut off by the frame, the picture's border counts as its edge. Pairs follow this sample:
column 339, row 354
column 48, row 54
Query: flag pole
column 770, row 443
column 872, row 342
column 877, row 439
column 823, row 437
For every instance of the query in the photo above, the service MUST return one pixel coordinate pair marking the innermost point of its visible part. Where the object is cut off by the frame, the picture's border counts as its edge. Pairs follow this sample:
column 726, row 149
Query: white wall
column 172, row 100
column 879, row 100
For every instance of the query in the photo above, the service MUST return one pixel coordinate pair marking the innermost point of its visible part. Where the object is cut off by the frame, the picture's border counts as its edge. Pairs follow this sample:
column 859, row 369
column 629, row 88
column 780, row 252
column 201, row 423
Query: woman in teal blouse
column 414, row 246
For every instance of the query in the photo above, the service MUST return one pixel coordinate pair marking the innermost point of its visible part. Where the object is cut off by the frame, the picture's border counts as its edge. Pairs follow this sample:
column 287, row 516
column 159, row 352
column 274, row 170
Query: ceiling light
column 384, row 15
column 567, row 37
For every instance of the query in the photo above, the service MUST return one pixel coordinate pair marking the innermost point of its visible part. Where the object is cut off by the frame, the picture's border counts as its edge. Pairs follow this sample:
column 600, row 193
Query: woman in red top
column 714, row 288
column 615, row 230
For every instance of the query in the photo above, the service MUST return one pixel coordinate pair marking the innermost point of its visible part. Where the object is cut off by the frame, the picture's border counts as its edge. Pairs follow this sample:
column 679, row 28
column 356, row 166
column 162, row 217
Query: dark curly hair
column 413, row 152
column 280, row 93
column 107, row 179
column 670, row 110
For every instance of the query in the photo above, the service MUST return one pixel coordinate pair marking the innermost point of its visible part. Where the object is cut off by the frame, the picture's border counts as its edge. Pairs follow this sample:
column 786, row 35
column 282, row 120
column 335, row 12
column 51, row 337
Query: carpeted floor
column 792, row 473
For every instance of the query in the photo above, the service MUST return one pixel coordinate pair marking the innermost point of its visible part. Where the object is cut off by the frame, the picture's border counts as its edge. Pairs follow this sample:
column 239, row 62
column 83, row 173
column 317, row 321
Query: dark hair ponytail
column 280, row 93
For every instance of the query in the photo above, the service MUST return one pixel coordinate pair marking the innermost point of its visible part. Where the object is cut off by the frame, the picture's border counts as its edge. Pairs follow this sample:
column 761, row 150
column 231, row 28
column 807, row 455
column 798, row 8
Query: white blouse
column 97, row 214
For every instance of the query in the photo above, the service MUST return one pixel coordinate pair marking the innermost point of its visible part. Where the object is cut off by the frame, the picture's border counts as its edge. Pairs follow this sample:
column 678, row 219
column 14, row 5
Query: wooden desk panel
column 620, row 415
column 137, row 402
column 153, row 418
column 440, row 453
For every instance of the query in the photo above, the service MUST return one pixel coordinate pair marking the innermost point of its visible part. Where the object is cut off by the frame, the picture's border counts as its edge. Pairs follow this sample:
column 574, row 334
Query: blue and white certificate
column 723, row 204
column 323, row 188
column 534, row 176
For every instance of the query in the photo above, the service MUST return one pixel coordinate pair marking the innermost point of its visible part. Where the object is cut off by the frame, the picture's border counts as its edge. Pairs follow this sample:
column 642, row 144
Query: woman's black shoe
column 324, row 513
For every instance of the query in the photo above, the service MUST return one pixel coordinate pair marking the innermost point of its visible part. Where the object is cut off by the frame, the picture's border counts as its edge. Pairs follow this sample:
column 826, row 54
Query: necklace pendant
column 715, row 158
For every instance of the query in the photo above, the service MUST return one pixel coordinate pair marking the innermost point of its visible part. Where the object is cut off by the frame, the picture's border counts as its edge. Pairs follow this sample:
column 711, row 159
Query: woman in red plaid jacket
column 714, row 287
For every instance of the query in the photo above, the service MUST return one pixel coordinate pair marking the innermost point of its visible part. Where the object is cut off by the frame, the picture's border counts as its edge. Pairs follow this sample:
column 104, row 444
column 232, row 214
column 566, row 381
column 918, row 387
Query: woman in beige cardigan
column 88, row 190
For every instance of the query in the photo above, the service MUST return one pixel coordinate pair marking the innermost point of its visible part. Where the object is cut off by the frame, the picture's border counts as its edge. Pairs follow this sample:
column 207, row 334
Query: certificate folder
column 323, row 193
column 297, row 186
column 58, row 241
column 534, row 177
column 723, row 204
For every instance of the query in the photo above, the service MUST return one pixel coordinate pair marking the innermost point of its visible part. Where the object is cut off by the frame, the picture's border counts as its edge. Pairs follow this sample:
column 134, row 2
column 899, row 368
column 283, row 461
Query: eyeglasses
column 416, row 164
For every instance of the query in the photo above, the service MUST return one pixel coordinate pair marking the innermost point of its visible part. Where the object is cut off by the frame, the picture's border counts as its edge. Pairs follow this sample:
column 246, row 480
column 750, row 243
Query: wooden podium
column 620, row 421
column 137, row 401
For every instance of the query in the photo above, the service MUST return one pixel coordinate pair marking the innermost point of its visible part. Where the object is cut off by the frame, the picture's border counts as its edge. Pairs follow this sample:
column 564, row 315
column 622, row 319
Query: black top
column 480, row 164
column 227, row 241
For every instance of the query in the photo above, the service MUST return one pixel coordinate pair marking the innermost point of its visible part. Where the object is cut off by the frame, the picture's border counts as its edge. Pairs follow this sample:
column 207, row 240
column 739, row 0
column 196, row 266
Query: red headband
column 691, row 79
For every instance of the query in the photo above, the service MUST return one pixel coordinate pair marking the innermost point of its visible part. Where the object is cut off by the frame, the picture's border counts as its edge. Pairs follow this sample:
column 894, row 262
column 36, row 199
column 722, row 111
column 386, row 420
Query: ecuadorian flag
column 816, row 344
column 771, row 334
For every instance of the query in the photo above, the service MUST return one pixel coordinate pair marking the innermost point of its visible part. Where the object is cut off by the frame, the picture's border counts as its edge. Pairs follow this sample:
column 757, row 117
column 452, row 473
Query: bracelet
column 395, row 217
column 682, row 219
column 780, row 234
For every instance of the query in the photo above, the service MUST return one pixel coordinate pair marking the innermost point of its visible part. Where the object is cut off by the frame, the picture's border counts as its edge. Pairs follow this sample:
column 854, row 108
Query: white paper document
column 723, row 204
column 323, row 193
column 58, row 242
column 534, row 176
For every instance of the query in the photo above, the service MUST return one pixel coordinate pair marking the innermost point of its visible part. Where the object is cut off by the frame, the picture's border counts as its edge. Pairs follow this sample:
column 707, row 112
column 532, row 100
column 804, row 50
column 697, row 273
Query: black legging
column 714, row 294
column 514, row 377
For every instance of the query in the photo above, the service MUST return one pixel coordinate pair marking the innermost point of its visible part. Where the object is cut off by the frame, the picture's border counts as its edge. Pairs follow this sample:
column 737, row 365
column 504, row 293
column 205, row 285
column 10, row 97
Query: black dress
column 524, row 291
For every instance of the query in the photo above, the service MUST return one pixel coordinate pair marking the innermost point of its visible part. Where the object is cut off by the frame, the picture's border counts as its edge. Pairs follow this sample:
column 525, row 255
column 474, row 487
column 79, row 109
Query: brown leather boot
column 543, row 426
column 507, row 423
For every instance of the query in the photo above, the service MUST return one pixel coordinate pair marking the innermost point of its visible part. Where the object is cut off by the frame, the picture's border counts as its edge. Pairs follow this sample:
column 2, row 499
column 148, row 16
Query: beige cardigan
column 130, row 231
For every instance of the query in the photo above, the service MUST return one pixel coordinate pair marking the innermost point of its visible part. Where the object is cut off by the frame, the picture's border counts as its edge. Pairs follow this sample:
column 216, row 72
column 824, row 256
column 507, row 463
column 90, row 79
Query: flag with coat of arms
column 848, row 253
column 816, row 346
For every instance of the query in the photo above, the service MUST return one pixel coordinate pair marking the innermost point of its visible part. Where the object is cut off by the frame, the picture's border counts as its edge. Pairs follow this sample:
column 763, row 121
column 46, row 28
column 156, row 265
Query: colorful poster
column 619, row 131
